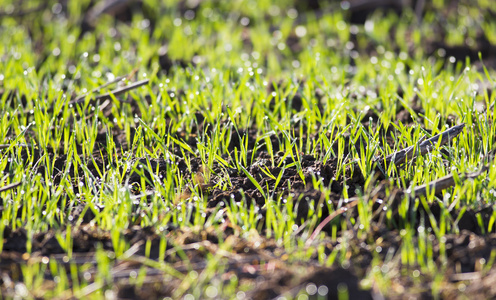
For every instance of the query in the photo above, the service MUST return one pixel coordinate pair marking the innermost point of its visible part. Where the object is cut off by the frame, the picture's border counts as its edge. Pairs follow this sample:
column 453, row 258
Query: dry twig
column 408, row 153
column 446, row 182
column 97, row 89
column 6, row 146
column 115, row 92
column 10, row 186
column 352, row 202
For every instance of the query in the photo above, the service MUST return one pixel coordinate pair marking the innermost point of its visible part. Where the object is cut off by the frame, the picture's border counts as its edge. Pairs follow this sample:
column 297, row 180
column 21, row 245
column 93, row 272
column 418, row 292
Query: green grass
column 152, row 157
